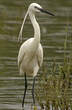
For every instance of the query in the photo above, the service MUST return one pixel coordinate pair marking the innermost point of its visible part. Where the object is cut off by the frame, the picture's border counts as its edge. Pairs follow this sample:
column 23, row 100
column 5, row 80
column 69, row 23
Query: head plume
column 21, row 30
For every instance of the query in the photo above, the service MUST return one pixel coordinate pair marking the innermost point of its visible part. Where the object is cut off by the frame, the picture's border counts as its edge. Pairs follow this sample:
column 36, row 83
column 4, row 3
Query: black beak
column 44, row 11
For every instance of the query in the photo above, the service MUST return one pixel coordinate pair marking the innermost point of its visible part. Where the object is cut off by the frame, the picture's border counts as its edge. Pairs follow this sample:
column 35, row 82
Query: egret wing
column 23, row 50
column 20, row 56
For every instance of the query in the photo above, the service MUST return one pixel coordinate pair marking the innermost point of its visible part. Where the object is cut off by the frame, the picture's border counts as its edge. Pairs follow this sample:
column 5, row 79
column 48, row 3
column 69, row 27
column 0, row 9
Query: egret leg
column 24, row 91
column 33, row 91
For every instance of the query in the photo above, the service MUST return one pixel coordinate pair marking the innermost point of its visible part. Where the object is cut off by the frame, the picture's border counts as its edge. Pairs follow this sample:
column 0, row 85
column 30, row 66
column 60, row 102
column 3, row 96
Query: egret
column 30, row 55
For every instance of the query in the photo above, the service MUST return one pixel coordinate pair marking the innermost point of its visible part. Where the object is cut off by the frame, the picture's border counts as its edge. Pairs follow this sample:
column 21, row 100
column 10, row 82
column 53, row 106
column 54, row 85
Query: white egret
column 30, row 55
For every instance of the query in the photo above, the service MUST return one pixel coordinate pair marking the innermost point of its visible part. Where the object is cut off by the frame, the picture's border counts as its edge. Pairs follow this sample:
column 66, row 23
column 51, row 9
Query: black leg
column 33, row 91
column 24, row 91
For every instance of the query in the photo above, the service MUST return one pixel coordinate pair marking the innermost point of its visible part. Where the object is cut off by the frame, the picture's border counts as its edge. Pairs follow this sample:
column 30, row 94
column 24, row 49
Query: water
column 53, row 33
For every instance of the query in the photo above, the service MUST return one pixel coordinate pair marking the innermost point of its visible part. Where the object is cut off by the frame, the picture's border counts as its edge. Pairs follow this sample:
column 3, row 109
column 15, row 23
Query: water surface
column 53, row 33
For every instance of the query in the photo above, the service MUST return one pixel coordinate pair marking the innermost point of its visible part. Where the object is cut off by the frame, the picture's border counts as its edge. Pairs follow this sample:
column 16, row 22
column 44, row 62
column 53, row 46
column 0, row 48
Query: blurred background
column 53, row 34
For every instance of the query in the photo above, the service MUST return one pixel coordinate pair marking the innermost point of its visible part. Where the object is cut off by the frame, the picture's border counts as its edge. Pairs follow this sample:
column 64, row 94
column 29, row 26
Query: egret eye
column 35, row 7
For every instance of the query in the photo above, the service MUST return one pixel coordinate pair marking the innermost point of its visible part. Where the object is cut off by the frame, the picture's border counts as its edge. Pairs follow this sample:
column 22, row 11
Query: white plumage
column 30, row 55
column 30, row 59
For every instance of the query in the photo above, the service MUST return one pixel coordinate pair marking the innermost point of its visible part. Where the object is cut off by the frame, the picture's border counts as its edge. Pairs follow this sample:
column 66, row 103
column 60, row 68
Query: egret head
column 34, row 7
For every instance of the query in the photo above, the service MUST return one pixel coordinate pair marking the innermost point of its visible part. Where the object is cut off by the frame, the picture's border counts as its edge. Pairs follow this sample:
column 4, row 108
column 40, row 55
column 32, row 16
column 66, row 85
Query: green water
column 53, row 33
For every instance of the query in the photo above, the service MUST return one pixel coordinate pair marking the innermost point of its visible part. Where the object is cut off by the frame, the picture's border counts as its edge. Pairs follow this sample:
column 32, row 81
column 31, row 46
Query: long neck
column 36, row 27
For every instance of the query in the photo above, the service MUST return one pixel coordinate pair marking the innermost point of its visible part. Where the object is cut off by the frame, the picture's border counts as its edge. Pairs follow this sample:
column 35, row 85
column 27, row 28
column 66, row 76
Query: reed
column 53, row 90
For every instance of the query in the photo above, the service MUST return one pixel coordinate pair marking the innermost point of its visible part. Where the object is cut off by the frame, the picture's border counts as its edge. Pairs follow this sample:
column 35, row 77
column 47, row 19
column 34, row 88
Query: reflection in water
column 53, row 32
